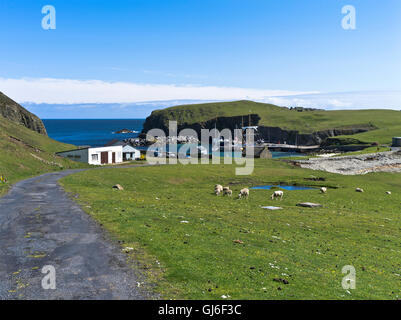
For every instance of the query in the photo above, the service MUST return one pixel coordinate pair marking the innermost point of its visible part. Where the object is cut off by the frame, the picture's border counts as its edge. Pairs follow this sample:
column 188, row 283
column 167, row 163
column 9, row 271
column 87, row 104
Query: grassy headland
column 183, row 234
column 26, row 153
column 387, row 122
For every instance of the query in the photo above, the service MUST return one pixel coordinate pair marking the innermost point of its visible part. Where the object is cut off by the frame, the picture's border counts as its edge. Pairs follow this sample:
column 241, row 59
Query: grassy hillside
column 25, row 153
column 184, row 235
column 388, row 122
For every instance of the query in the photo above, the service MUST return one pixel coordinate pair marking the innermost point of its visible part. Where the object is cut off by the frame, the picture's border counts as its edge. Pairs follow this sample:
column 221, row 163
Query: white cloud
column 68, row 91
column 341, row 100
column 128, row 95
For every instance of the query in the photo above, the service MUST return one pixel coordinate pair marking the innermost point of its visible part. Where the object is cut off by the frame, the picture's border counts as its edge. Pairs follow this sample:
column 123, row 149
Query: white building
column 130, row 153
column 96, row 156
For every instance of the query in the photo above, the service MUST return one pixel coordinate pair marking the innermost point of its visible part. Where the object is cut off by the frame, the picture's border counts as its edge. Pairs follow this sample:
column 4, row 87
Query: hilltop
column 307, row 125
column 14, row 112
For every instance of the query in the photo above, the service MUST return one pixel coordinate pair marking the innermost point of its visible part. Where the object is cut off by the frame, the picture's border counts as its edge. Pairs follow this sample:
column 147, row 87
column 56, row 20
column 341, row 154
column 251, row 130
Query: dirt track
column 40, row 225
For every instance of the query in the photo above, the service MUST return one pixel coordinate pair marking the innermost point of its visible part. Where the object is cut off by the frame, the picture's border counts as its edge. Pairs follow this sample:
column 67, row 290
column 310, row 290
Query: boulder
column 309, row 205
column 272, row 208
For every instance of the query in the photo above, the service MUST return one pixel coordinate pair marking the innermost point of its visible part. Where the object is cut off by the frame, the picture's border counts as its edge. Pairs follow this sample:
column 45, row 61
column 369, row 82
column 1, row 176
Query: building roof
column 93, row 148
column 115, row 142
column 78, row 149
column 128, row 148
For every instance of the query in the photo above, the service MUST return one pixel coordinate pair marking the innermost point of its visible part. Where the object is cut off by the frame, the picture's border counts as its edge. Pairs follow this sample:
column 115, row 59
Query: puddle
column 268, row 187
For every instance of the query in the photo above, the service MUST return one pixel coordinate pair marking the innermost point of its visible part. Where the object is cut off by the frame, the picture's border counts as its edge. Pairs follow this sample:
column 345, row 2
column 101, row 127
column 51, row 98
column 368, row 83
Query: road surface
column 40, row 225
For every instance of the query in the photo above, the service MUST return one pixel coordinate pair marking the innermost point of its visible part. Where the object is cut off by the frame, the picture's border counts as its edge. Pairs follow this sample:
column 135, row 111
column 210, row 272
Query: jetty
column 289, row 147
column 282, row 147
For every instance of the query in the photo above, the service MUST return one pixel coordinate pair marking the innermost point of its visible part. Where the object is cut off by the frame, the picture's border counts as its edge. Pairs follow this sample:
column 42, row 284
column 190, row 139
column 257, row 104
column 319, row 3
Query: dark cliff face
column 220, row 123
column 278, row 135
column 12, row 111
column 268, row 134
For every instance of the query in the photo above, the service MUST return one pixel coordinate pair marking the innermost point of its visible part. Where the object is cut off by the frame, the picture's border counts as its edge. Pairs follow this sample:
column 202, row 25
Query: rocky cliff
column 12, row 111
column 269, row 134
column 278, row 135
column 159, row 121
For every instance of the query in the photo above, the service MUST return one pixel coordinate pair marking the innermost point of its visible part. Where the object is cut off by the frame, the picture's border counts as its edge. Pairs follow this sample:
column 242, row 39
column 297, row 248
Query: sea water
column 98, row 132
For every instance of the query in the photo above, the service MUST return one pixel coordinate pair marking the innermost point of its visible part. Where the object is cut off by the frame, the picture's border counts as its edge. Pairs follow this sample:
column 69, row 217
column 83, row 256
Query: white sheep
column 359, row 190
column 218, row 189
column 388, row 192
column 227, row 192
column 243, row 193
column 323, row 190
column 278, row 194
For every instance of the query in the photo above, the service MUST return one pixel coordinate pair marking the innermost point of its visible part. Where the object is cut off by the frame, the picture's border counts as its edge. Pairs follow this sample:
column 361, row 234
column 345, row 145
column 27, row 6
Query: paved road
column 40, row 225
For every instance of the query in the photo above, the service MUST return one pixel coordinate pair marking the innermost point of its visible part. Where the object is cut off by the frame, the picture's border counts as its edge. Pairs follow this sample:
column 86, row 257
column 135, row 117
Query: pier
column 289, row 147
column 283, row 147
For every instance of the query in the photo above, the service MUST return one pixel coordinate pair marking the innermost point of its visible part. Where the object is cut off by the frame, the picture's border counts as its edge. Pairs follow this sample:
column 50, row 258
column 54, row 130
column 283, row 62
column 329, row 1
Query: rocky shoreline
column 357, row 164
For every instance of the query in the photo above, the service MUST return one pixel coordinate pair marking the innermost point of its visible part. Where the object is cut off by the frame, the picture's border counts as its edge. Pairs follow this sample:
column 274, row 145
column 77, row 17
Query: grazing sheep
column 243, row 193
column 388, row 192
column 359, row 190
column 227, row 192
column 218, row 189
column 278, row 194
column 323, row 190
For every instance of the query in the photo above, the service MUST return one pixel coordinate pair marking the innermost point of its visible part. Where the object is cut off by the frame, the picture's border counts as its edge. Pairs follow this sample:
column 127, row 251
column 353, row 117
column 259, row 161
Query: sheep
column 278, row 194
column 359, row 190
column 218, row 189
column 227, row 192
column 388, row 192
column 243, row 193
column 323, row 190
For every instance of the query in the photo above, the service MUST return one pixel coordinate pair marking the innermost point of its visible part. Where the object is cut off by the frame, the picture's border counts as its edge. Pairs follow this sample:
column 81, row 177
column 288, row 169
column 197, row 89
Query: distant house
column 96, row 156
column 129, row 152
column 397, row 142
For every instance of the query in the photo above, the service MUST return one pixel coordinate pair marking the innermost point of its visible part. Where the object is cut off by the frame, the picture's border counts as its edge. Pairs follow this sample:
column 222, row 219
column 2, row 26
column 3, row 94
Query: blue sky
column 154, row 50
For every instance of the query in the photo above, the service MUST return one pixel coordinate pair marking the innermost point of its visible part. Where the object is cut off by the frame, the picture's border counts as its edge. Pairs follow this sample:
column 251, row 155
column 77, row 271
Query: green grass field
column 306, row 247
column 25, row 153
column 388, row 122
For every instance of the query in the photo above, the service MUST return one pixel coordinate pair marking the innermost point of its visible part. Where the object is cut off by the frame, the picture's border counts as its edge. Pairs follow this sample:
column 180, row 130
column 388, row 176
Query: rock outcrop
column 159, row 121
column 12, row 111
column 269, row 134
column 278, row 135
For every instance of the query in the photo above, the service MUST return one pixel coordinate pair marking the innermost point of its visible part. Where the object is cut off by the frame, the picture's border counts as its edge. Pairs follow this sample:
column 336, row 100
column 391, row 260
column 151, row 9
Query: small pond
column 268, row 187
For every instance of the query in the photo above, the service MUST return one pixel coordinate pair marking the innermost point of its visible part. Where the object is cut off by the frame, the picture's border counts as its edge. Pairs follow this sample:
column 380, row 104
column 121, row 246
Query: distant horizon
column 115, row 111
